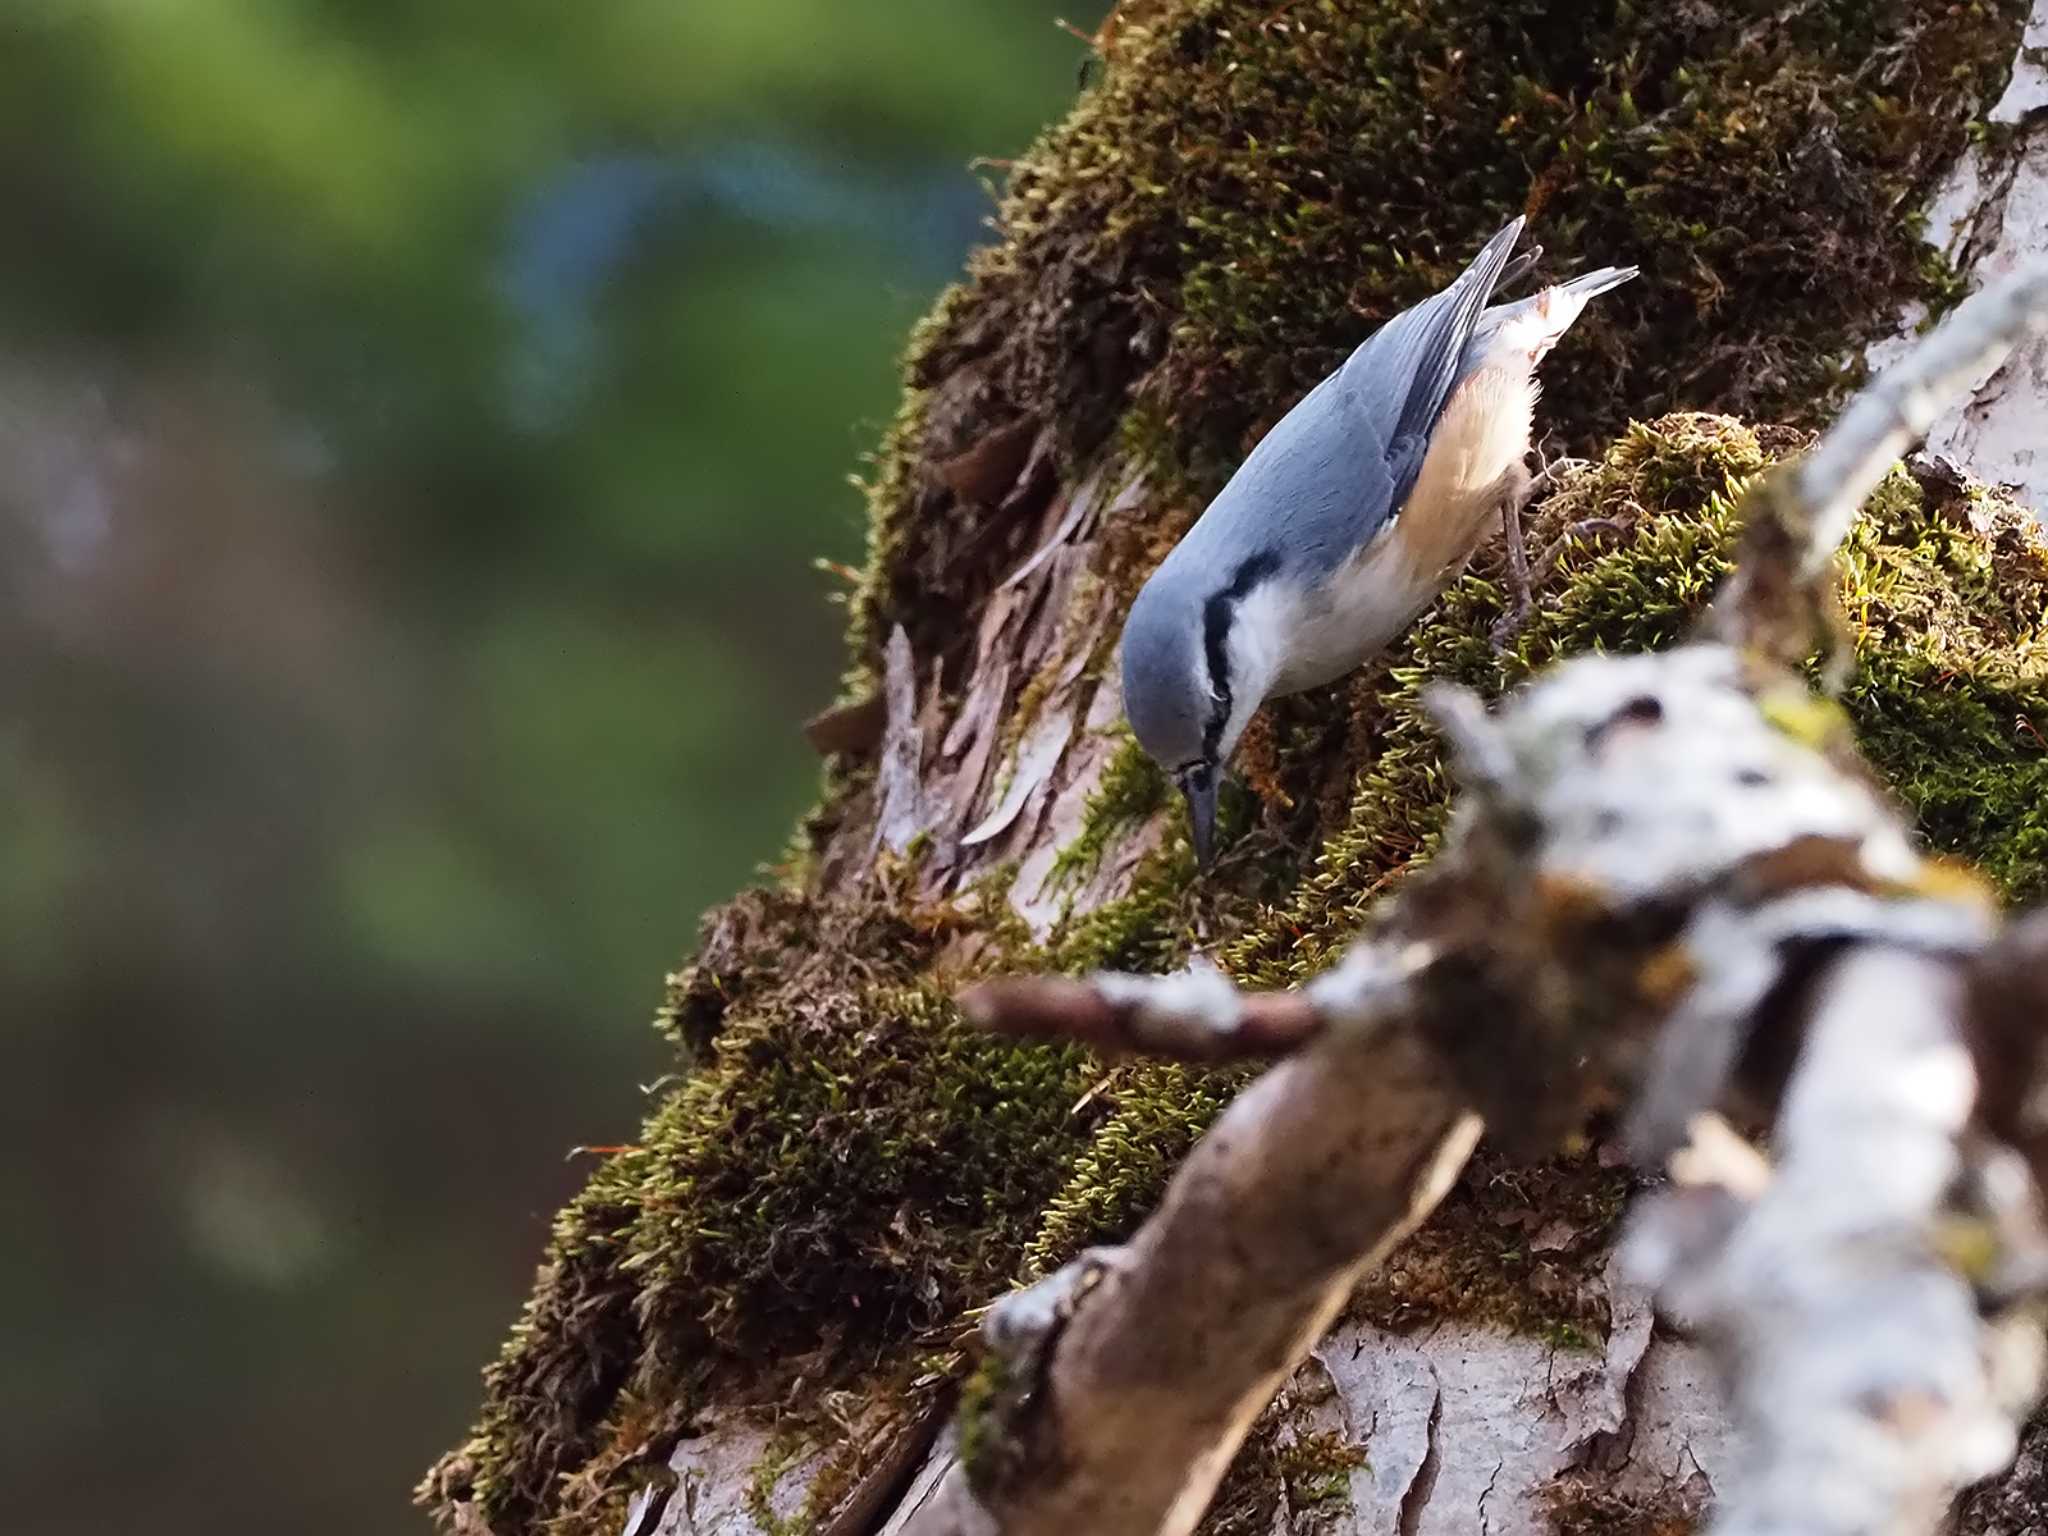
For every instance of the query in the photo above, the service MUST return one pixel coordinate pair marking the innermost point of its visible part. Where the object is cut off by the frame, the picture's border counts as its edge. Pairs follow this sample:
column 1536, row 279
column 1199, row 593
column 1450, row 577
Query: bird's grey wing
column 1399, row 380
column 1306, row 488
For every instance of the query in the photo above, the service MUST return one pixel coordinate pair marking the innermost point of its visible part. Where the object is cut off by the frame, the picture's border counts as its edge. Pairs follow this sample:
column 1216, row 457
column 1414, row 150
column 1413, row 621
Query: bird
column 1347, row 519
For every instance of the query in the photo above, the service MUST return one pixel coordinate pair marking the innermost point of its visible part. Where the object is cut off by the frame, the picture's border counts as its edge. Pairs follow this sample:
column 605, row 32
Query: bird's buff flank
column 1347, row 519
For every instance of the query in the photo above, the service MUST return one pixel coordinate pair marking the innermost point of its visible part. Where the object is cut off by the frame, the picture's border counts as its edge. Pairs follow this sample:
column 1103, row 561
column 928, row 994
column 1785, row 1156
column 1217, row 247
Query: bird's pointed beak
column 1198, row 787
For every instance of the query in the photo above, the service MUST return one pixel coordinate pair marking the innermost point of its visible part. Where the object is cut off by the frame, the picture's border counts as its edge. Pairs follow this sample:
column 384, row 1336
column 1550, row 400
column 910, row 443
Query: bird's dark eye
column 1196, row 775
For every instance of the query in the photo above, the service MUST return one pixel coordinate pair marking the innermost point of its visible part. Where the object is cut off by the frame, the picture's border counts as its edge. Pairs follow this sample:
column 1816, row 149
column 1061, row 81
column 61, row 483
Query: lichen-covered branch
column 1862, row 1367
column 1666, row 871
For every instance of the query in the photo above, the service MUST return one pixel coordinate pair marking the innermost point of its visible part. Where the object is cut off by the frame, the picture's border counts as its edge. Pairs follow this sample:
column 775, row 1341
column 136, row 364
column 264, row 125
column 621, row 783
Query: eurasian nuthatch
column 1347, row 519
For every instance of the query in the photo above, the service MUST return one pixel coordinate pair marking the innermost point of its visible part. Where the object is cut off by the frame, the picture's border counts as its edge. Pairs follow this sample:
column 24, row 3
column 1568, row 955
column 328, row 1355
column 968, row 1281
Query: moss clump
column 1512, row 1247
column 1148, row 930
column 1250, row 190
column 1131, row 788
column 1284, row 1466
column 1248, row 1500
column 1580, row 1506
column 1317, row 1469
column 559, row 1376
column 769, row 1472
column 848, row 1165
column 1950, row 698
column 1158, row 1112
column 982, row 1395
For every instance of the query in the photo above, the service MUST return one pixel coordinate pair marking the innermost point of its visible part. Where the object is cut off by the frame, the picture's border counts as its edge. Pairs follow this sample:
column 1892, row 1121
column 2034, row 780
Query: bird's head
column 1192, row 683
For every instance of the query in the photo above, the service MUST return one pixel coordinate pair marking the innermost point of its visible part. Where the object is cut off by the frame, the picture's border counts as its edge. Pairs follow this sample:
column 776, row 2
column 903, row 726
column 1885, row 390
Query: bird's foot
column 1511, row 624
column 1524, row 573
column 1521, row 587
column 1584, row 528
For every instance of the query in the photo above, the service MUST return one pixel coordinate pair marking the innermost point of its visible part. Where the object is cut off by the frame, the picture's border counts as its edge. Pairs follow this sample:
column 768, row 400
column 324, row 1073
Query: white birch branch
column 1866, row 1384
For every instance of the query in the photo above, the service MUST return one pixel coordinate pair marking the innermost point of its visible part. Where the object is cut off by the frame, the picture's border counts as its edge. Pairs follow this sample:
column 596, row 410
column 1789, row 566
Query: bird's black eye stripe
column 1216, row 614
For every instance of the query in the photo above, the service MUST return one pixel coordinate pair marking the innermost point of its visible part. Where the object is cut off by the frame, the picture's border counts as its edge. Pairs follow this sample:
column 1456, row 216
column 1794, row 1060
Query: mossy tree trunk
column 760, row 1304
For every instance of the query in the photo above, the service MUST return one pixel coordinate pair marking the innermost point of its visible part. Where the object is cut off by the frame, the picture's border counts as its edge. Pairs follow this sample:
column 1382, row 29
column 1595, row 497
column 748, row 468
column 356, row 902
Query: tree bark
column 1502, row 1374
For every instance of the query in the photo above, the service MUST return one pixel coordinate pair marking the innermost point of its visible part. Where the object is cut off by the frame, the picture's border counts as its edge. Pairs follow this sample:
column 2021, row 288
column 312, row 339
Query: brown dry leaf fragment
column 987, row 471
column 850, row 729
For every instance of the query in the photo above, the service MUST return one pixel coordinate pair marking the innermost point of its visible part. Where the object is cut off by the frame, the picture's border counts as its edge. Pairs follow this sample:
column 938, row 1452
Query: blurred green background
column 418, row 425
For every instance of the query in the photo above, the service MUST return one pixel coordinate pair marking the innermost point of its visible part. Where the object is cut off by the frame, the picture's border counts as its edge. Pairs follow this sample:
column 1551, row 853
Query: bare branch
column 1196, row 1015
column 1896, row 410
column 1143, row 1367
column 1779, row 602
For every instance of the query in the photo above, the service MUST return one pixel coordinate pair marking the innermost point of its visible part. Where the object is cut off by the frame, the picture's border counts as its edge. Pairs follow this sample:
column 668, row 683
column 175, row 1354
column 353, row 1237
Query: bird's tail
column 1533, row 325
column 1588, row 284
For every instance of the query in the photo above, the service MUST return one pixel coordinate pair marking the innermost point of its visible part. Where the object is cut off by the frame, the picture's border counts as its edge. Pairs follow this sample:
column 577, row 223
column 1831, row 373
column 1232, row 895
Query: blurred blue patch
column 584, row 229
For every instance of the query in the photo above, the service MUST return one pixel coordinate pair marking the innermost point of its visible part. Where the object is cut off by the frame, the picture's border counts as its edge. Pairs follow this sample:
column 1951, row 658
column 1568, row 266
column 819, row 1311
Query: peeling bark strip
column 1644, row 855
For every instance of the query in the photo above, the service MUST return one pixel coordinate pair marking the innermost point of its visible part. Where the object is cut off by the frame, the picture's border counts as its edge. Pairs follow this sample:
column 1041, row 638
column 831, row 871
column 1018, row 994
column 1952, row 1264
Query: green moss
column 774, row 1465
column 835, row 1451
column 1248, row 1500
column 1317, row 1468
column 1158, row 1112
column 1149, row 929
column 1583, row 1505
column 848, row 1165
column 559, row 1375
column 1283, row 1466
column 984, row 1397
column 827, row 1164
column 1512, row 1247
column 1131, row 788
column 1950, row 696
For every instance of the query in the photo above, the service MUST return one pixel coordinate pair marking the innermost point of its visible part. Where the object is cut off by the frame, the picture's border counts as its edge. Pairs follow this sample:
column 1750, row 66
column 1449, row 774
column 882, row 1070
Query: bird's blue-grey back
column 1338, row 466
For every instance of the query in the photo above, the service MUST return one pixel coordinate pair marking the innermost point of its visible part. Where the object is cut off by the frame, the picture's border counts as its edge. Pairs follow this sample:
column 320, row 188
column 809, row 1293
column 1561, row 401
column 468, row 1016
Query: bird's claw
column 1524, row 573
column 1521, row 587
column 1510, row 624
